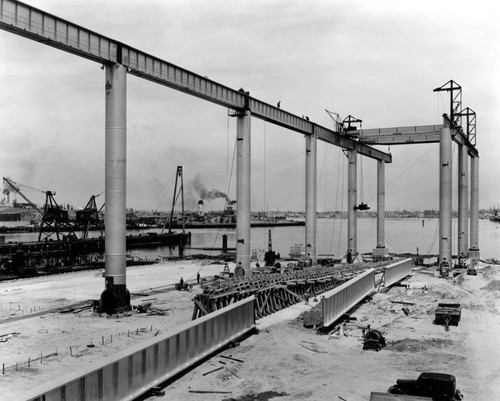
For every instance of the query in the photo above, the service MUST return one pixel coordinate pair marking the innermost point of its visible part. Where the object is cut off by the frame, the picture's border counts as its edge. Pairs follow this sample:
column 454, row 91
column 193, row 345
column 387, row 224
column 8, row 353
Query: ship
column 495, row 216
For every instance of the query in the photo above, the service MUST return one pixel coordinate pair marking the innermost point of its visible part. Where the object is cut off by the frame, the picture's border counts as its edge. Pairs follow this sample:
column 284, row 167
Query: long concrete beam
column 32, row 23
column 411, row 135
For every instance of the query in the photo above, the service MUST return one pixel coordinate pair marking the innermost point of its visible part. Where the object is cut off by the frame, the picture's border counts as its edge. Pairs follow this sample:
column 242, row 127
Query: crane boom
column 16, row 188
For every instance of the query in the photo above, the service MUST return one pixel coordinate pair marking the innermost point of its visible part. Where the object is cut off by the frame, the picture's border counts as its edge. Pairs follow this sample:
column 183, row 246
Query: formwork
column 272, row 292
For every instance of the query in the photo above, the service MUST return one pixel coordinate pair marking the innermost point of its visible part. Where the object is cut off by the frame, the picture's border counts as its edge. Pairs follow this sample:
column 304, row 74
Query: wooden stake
column 214, row 370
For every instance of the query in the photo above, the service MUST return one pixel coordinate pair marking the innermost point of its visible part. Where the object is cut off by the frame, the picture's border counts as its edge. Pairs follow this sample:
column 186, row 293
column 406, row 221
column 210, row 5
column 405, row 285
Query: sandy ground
column 25, row 333
column 297, row 363
column 284, row 359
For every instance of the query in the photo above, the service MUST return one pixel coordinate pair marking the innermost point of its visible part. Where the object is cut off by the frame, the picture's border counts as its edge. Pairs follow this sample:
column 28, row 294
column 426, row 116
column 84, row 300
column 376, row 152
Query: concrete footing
column 474, row 255
column 380, row 253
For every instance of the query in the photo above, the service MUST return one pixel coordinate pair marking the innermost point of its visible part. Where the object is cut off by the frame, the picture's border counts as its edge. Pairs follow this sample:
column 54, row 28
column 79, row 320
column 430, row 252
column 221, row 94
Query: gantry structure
column 119, row 60
column 458, row 126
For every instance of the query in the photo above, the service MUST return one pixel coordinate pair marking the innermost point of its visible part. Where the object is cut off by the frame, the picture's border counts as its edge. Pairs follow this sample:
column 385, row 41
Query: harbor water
column 401, row 235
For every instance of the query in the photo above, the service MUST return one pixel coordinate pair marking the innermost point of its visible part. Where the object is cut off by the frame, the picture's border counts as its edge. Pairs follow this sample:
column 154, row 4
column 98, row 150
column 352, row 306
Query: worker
column 198, row 277
column 257, row 264
column 181, row 284
column 349, row 256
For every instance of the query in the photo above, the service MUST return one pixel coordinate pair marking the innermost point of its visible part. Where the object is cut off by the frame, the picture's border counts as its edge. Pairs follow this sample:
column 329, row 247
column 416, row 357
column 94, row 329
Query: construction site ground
column 283, row 360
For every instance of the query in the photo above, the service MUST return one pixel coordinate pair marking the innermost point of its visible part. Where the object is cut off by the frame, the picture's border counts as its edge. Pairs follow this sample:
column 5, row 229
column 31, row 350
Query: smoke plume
column 205, row 194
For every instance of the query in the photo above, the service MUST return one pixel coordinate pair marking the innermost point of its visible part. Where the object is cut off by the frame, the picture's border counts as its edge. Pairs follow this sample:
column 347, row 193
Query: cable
column 163, row 193
column 406, row 169
column 232, row 167
column 433, row 240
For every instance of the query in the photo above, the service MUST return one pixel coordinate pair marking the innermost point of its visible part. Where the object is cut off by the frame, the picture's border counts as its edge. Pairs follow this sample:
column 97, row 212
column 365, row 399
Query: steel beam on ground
column 132, row 372
column 346, row 296
column 397, row 271
column 32, row 23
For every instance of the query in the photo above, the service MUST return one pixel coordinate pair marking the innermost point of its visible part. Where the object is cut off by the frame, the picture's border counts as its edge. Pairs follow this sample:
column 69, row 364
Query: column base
column 353, row 258
column 474, row 255
column 239, row 271
column 115, row 298
column 380, row 253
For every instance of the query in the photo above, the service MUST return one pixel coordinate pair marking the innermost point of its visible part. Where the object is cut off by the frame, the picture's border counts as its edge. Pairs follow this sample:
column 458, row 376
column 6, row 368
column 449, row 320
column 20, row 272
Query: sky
column 378, row 61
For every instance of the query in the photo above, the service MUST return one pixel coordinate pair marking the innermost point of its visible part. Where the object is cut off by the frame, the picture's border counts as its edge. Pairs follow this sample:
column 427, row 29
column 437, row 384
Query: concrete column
column 116, row 297
column 380, row 251
column 463, row 203
column 243, row 182
column 445, row 199
column 310, row 232
column 474, row 209
column 352, row 171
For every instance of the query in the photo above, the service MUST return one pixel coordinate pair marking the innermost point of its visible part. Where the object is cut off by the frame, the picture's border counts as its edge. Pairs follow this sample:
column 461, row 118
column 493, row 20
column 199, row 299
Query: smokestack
column 200, row 208
column 6, row 191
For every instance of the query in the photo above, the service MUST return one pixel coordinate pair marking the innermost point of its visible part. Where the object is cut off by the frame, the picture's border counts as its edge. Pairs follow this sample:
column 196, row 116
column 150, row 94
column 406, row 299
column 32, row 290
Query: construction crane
column 16, row 187
column 349, row 124
column 88, row 218
column 178, row 175
column 55, row 220
column 337, row 121
column 346, row 125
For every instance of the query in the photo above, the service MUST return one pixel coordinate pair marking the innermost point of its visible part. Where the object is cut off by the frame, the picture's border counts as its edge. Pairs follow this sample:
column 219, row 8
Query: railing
column 346, row 296
column 397, row 271
column 134, row 371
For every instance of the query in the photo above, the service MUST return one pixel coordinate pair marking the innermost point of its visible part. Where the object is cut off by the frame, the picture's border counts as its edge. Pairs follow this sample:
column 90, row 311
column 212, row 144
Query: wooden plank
column 294, row 294
column 264, row 303
column 200, row 307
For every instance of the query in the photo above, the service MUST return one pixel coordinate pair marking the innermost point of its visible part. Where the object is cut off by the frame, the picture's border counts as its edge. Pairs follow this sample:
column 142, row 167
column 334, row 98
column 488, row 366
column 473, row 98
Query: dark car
column 438, row 386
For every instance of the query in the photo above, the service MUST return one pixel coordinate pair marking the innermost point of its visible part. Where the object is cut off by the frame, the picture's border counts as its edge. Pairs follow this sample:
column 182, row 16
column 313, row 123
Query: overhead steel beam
column 24, row 20
column 411, row 135
column 399, row 135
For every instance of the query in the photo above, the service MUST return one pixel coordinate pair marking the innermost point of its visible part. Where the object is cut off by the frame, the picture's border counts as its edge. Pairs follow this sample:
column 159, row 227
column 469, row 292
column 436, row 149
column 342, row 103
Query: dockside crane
column 88, row 218
column 16, row 187
column 55, row 220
